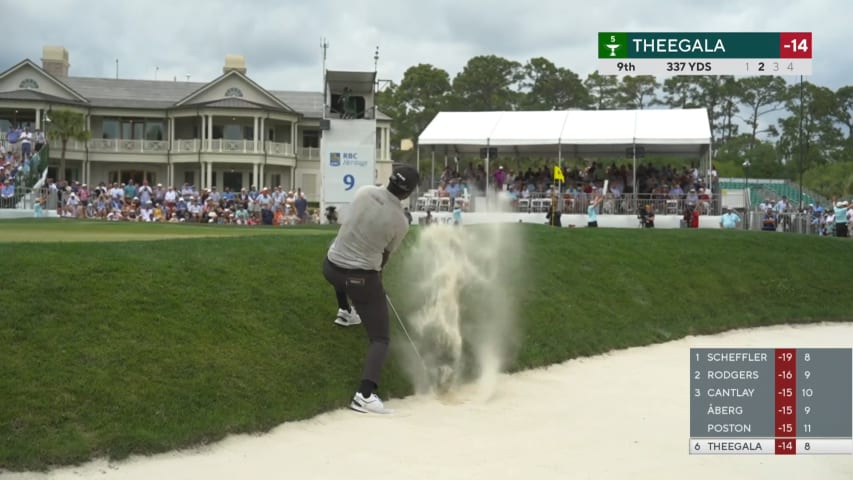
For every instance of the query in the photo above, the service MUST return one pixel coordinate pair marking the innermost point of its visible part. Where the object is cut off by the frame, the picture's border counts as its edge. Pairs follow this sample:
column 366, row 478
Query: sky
column 281, row 39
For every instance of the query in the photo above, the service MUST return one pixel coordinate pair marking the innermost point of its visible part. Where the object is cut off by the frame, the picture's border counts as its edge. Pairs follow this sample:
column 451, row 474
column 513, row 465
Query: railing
column 187, row 146
column 309, row 153
column 194, row 145
column 625, row 204
column 280, row 149
column 25, row 198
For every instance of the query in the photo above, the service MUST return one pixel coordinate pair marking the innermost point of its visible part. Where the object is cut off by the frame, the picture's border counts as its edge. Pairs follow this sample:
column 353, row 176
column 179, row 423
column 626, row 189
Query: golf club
column 400, row 321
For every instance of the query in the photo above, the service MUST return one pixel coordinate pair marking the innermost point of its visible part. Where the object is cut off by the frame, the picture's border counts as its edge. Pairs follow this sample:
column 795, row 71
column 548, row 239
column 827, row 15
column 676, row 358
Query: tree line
column 753, row 118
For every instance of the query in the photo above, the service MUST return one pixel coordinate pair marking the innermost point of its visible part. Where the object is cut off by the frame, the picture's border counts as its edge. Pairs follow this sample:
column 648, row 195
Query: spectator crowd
column 143, row 203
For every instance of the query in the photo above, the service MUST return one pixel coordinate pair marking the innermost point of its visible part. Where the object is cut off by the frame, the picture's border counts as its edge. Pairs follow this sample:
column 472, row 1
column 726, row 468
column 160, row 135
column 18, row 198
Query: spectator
column 301, row 204
column 647, row 216
column 841, row 219
column 730, row 219
column 592, row 213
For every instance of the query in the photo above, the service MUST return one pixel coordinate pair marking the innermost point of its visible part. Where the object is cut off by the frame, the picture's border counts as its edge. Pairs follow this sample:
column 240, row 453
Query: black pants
column 364, row 288
column 841, row 230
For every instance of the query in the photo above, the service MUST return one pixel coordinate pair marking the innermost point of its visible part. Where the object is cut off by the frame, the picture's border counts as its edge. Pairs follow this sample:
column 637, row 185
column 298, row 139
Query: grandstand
column 761, row 189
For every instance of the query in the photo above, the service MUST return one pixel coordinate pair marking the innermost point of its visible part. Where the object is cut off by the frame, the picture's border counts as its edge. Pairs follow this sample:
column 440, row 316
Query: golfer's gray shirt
column 374, row 223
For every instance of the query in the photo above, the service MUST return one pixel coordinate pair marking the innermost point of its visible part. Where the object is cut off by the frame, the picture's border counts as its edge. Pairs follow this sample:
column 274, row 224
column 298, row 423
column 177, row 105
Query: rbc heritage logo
column 348, row 158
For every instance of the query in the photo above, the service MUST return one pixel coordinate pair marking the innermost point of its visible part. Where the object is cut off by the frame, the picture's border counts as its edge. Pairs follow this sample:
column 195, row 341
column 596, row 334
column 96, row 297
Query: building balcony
column 195, row 145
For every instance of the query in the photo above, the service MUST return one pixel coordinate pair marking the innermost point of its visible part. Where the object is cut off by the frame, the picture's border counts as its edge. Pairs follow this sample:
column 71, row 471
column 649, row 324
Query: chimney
column 234, row 62
column 54, row 61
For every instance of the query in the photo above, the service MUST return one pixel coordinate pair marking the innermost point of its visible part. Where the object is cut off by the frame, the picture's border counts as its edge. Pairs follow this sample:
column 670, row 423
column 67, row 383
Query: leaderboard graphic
column 724, row 53
column 766, row 401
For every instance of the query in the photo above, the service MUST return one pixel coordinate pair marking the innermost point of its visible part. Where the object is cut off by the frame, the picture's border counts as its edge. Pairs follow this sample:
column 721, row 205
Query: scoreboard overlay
column 771, row 401
column 723, row 53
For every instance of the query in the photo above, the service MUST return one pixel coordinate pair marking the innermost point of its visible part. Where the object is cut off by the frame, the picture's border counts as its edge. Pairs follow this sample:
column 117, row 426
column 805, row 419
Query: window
column 154, row 130
column 29, row 83
column 110, row 128
column 311, row 139
column 275, row 181
column 233, row 92
column 132, row 129
column 232, row 180
column 189, row 177
column 232, row 132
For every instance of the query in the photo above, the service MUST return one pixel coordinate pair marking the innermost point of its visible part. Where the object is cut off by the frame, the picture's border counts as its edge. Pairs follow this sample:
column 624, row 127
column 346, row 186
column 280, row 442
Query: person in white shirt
column 146, row 211
column 71, row 205
column 171, row 197
column 117, row 192
column 26, row 144
column 781, row 209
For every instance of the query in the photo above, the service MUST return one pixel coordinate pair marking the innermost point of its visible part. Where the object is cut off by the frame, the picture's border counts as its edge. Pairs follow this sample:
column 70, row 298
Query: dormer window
column 29, row 83
column 233, row 92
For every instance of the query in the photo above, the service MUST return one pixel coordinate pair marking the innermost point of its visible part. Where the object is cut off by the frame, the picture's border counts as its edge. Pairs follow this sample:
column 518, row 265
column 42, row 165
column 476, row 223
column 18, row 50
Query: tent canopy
column 684, row 132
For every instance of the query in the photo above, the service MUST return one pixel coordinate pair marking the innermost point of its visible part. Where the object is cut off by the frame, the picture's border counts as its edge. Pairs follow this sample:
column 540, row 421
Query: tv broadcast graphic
column 545, row 240
column 715, row 53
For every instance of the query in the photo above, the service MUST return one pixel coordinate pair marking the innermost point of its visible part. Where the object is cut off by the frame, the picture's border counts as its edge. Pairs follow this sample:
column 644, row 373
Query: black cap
column 405, row 178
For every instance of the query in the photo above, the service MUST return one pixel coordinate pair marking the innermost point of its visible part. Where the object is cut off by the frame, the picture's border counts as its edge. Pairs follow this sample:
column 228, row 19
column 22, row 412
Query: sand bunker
column 620, row 415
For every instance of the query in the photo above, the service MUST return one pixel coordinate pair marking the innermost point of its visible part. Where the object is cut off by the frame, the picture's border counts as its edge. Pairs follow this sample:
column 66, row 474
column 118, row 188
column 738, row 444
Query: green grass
column 110, row 348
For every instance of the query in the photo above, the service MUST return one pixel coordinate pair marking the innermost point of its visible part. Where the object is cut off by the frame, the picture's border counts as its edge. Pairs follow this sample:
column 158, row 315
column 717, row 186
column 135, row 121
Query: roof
column 310, row 104
column 578, row 132
column 35, row 95
column 361, row 83
column 165, row 94
column 233, row 103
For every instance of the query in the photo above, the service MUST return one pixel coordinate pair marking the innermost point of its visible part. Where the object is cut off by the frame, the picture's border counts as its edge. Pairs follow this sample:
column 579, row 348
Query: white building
column 229, row 132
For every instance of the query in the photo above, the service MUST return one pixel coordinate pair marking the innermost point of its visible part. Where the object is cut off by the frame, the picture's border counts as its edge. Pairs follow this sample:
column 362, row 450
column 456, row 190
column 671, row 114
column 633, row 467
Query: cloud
column 281, row 39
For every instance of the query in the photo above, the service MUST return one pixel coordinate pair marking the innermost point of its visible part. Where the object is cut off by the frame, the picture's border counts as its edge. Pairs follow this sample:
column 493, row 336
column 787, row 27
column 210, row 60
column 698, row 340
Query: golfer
column 372, row 229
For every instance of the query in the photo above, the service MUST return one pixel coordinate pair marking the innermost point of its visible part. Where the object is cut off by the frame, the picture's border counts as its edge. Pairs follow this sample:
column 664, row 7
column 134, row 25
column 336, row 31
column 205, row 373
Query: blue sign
column 335, row 159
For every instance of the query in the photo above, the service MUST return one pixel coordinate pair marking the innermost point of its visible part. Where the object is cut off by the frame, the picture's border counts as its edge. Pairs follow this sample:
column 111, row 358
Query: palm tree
column 67, row 125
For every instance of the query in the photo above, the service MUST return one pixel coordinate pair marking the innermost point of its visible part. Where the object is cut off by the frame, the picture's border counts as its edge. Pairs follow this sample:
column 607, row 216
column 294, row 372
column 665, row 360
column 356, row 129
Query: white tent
column 590, row 133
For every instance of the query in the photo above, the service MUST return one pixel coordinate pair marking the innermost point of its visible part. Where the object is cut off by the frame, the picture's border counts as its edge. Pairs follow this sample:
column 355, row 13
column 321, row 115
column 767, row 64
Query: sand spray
column 462, row 282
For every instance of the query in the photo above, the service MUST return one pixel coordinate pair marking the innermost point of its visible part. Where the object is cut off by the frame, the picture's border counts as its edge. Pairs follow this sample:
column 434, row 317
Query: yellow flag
column 558, row 174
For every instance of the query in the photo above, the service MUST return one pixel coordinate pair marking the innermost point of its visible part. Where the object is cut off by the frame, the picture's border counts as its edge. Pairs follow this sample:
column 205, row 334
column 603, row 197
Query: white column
column 255, row 134
column 262, row 129
column 172, row 176
column 293, row 138
column 210, row 132
column 209, row 174
column 201, row 177
column 261, row 179
column 255, row 181
column 388, row 143
column 384, row 143
column 171, row 132
column 202, row 132
column 38, row 119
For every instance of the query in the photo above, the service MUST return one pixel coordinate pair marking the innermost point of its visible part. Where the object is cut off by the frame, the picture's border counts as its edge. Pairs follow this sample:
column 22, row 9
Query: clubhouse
column 229, row 132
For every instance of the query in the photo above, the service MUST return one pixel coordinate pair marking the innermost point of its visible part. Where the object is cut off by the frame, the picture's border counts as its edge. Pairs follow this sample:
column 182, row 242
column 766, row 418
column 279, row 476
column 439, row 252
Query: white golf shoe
column 347, row 319
column 371, row 404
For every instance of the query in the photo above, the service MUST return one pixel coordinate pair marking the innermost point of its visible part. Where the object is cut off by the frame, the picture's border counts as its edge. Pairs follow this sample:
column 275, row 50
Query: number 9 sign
column 349, row 181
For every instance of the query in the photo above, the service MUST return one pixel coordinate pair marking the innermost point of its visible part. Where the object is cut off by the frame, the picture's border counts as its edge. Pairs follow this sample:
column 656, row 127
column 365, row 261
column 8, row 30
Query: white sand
column 621, row 415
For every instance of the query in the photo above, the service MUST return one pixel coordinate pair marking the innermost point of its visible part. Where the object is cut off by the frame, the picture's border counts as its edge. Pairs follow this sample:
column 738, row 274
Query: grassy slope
column 116, row 348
